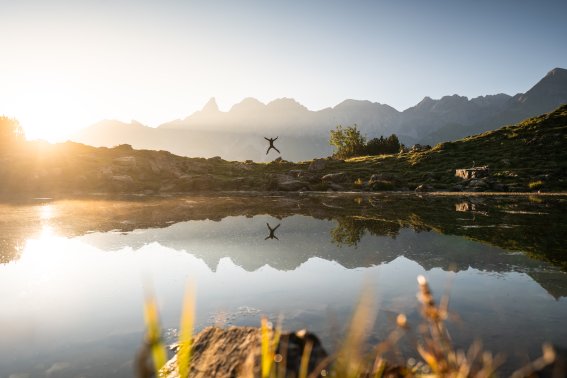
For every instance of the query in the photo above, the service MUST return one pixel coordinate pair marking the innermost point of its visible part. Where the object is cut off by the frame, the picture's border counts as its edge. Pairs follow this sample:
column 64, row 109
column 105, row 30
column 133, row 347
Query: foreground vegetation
column 530, row 156
column 268, row 352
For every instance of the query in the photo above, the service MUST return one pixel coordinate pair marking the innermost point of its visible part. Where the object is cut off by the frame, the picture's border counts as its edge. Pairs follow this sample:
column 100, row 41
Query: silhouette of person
column 272, row 232
column 272, row 140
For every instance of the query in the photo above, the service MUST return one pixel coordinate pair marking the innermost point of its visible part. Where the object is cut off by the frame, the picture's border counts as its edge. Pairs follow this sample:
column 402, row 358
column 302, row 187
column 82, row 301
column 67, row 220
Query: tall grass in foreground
column 153, row 342
column 154, row 348
column 186, row 332
column 432, row 342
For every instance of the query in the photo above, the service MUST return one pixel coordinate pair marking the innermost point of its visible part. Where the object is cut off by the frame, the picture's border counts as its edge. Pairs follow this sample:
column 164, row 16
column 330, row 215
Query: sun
column 54, row 116
column 50, row 106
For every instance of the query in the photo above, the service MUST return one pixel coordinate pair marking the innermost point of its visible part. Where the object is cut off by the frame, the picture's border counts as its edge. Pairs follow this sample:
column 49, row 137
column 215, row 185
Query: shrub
column 381, row 146
column 348, row 142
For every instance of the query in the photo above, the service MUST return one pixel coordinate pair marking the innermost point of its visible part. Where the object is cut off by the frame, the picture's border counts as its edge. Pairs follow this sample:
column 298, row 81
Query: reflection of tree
column 511, row 223
column 350, row 230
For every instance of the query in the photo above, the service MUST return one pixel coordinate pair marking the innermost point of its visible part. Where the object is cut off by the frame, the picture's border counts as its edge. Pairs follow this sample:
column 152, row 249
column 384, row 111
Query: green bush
column 382, row 146
column 348, row 142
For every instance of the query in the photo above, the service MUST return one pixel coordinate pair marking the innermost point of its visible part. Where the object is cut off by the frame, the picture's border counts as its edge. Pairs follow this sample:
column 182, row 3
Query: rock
column 498, row 187
column 465, row 206
column 106, row 171
column 123, row 147
column 122, row 182
column 236, row 352
column 215, row 158
column 424, row 188
column 288, row 183
column 472, row 173
column 335, row 177
column 317, row 165
column 167, row 187
column 154, row 167
column 419, row 148
column 336, row 187
column 478, row 185
column 237, row 183
column 198, row 167
column 243, row 167
column 295, row 172
column 123, row 179
column 381, row 177
column 125, row 161
column 381, row 185
column 310, row 177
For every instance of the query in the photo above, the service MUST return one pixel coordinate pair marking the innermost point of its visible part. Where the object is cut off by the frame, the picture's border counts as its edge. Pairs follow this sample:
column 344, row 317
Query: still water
column 72, row 272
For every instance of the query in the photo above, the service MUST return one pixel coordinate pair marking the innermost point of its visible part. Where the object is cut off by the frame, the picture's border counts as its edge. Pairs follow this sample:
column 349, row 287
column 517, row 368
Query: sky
column 67, row 64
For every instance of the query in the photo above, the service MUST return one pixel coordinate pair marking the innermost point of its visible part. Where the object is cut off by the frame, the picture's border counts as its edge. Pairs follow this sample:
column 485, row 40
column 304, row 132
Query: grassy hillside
column 533, row 151
column 529, row 156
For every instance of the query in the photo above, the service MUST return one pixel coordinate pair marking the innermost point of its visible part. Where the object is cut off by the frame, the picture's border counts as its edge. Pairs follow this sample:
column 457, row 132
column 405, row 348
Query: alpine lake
column 74, row 272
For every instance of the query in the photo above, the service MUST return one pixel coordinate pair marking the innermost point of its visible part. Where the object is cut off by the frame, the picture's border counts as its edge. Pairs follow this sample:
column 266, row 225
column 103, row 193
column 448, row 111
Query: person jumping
column 272, row 140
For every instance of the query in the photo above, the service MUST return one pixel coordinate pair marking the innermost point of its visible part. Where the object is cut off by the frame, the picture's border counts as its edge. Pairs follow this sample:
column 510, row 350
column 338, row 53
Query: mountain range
column 303, row 134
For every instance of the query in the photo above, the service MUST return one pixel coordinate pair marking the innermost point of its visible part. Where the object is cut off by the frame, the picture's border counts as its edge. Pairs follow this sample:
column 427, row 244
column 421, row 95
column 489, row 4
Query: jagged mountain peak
column 491, row 100
column 211, row 106
column 248, row 104
column 428, row 122
column 548, row 93
column 362, row 105
column 557, row 71
column 286, row 104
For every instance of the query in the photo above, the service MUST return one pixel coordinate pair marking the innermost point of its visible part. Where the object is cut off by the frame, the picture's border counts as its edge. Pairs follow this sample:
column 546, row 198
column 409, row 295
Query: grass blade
column 157, row 348
column 305, row 356
column 267, row 356
column 186, row 332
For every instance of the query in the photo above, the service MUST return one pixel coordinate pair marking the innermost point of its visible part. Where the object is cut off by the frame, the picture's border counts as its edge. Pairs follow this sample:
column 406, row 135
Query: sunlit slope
column 531, row 151
column 530, row 156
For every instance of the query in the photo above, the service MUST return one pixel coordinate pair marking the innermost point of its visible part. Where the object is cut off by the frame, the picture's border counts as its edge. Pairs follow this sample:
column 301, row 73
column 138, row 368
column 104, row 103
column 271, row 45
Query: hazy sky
column 67, row 64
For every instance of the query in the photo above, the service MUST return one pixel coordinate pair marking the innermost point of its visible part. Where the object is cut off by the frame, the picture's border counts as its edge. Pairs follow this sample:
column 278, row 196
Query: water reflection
column 272, row 231
column 73, row 285
column 534, row 226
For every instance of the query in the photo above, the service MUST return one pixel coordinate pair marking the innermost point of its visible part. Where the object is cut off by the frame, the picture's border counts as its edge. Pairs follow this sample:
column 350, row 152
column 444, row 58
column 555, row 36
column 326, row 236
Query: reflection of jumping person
column 272, row 140
column 272, row 232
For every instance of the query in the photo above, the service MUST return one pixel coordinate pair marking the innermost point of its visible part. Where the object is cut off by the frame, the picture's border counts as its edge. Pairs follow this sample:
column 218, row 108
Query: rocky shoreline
column 236, row 352
column 528, row 157
column 77, row 169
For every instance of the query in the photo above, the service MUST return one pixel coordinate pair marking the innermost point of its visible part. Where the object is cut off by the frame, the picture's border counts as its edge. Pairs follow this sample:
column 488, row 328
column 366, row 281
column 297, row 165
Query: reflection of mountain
column 238, row 133
column 353, row 231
